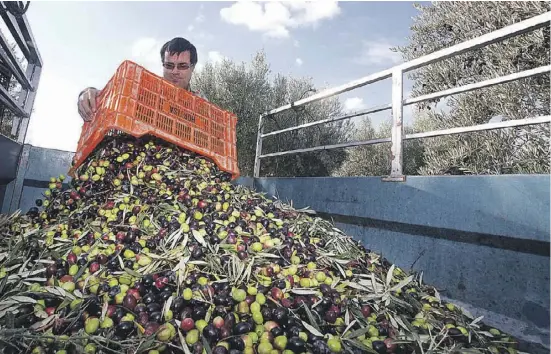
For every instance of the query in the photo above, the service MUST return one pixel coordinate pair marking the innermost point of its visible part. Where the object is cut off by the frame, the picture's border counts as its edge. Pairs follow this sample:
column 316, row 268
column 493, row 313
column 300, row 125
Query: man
column 178, row 57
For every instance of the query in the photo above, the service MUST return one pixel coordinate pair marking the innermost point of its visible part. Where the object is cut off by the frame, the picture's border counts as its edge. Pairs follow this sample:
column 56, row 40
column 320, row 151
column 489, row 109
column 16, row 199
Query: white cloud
column 215, row 57
column 190, row 28
column 354, row 104
column 299, row 61
column 204, row 36
column 296, row 43
column 212, row 56
column 274, row 19
column 377, row 52
column 145, row 52
column 200, row 16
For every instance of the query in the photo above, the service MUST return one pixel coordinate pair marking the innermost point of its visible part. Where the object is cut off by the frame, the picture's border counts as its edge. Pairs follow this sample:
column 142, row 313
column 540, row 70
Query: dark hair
column 179, row 45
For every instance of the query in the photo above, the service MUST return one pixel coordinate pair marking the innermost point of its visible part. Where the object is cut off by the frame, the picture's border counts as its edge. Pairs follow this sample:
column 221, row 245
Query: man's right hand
column 87, row 103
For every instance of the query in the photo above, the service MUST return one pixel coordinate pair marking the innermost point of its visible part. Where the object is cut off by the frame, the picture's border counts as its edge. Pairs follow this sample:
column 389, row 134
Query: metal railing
column 17, row 110
column 396, row 73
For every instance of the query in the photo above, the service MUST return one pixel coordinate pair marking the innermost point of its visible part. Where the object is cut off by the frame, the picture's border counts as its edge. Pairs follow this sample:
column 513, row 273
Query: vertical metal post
column 258, row 147
column 396, row 172
column 26, row 101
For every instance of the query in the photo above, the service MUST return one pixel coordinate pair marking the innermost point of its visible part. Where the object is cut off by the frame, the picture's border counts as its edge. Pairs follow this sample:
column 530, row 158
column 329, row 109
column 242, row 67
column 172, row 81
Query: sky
column 83, row 43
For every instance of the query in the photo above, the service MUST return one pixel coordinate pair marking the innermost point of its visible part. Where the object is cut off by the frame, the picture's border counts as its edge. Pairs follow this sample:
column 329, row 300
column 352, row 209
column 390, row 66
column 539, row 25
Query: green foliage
column 513, row 150
column 14, row 89
column 375, row 160
column 248, row 91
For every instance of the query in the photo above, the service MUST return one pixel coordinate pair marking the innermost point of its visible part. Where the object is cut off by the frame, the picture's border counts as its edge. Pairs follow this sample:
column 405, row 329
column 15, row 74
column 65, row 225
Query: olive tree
column 375, row 160
column 250, row 89
column 13, row 88
column 511, row 150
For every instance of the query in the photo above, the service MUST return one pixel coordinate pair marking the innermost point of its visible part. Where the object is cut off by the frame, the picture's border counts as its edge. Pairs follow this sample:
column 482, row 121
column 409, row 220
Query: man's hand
column 87, row 103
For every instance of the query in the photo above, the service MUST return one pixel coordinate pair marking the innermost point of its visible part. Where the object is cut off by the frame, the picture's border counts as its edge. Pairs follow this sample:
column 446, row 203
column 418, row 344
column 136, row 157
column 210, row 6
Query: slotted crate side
column 138, row 102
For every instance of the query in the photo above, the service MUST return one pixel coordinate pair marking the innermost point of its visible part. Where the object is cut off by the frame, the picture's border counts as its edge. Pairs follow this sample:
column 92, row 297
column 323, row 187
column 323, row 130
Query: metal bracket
column 257, row 157
column 394, row 179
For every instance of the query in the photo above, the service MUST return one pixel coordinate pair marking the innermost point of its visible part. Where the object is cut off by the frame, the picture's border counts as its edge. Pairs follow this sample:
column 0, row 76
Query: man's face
column 177, row 69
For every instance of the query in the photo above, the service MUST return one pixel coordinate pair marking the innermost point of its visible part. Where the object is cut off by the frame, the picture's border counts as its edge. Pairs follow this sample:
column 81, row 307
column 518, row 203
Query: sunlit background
column 82, row 43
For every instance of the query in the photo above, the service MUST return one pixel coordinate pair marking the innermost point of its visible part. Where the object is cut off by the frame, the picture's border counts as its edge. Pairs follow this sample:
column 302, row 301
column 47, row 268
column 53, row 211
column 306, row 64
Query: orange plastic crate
column 137, row 102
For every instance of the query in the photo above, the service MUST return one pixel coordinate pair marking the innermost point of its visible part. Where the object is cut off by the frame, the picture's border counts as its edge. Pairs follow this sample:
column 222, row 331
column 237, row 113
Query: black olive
column 124, row 329
column 147, row 280
column 186, row 312
column 219, row 299
column 149, row 298
column 280, row 315
column 104, row 287
column 165, row 295
column 118, row 314
column 262, row 289
column 211, row 333
column 294, row 331
column 320, row 347
column 325, row 303
column 277, row 331
column 113, row 264
column 379, row 346
column 153, row 307
column 140, row 308
column 114, row 291
column 236, row 343
column 454, row 332
column 229, row 321
column 296, row 345
column 219, row 350
column 219, row 311
column 150, row 244
column 156, row 316
column 177, row 304
column 242, row 328
column 25, row 310
column 266, row 314
column 198, row 313
column 140, row 287
column 294, row 322
column 60, row 263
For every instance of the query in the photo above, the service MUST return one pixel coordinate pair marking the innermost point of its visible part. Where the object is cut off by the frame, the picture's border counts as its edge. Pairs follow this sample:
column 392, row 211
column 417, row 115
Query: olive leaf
column 312, row 330
column 197, row 235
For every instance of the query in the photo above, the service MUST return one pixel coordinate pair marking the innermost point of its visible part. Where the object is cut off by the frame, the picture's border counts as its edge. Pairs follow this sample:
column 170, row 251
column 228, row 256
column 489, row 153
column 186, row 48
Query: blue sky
column 82, row 43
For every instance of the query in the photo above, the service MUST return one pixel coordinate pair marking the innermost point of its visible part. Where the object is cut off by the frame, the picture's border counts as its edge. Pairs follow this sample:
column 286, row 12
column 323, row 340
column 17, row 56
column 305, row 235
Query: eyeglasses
column 180, row 66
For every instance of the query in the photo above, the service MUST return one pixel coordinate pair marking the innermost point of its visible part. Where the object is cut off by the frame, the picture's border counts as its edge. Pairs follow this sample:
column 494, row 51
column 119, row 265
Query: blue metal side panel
column 509, row 205
column 46, row 163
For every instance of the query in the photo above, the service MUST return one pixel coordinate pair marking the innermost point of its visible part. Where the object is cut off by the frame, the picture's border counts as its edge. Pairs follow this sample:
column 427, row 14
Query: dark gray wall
column 482, row 240
column 9, row 155
column 36, row 167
